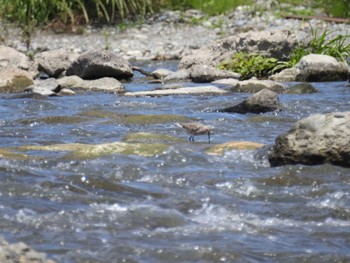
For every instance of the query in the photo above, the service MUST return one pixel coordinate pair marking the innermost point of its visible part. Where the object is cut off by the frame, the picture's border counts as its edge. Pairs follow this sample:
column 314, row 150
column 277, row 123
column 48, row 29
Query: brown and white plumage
column 195, row 128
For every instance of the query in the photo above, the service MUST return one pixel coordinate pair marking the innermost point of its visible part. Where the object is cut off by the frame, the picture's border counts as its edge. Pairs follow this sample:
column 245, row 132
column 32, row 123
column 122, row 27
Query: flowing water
column 179, row 206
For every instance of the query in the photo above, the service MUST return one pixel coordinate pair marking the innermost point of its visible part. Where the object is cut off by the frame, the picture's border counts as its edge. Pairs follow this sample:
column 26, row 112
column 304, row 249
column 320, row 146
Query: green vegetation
column 250, row 65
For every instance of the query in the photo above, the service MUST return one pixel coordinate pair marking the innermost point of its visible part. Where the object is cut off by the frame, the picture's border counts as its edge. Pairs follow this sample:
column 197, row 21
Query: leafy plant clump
column 250, row 65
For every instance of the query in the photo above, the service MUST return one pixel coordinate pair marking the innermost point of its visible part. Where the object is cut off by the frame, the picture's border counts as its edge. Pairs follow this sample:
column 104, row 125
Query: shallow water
column 182, row 205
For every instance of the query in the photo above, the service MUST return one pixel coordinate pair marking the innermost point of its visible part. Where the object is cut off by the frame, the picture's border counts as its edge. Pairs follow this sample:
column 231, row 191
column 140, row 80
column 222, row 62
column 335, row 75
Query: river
column 179, row 206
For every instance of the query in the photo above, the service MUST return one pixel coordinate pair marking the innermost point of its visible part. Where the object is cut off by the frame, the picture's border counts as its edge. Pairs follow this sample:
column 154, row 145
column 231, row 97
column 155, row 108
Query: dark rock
column 95, row 64
column 317, row 139
column 261, row 102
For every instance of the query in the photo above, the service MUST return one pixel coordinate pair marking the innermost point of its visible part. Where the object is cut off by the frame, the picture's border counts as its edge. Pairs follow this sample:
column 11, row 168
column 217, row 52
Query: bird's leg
column 208, row 137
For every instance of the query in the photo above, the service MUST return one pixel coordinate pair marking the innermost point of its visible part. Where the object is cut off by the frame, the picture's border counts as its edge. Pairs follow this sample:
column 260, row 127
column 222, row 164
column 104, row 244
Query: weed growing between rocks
column 250, row 65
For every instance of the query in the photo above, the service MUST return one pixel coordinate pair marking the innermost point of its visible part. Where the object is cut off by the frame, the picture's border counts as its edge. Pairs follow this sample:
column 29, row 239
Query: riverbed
column 183, row 205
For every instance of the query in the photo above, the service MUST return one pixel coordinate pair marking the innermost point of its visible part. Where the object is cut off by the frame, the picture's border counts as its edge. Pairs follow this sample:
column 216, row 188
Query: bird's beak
column 208, row 137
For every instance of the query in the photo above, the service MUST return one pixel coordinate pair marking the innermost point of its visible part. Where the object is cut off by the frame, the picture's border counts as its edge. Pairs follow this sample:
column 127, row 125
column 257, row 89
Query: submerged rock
column 260, row 102
column 146, row 137
column 95, row 64
column 220, row 149
column 91, row 151
column 317, row 139
column 301, row 88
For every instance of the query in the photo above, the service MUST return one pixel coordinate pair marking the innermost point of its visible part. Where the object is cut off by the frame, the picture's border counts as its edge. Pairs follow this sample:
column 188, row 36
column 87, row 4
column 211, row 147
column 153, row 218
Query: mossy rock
column 136, row 119
column 90, row 151
column 16, row 84
column 220, row 149
column 56, row 120
column 264, row 118
column 146, row 137
column 301, row 88
column 8, row 154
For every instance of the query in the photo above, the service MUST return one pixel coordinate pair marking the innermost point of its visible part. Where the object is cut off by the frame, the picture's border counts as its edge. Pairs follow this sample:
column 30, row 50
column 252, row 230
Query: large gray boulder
column 317, row 139
column 314, row 68
column 54, row 62
column 95, row 64
column 260, row 102
column 276, row 43
column 10, row 57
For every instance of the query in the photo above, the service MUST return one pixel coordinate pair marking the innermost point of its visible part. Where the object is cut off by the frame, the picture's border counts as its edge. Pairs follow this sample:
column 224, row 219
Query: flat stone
column 202, row 90
column 220, row 149
column 14, row 80
column 255, row 85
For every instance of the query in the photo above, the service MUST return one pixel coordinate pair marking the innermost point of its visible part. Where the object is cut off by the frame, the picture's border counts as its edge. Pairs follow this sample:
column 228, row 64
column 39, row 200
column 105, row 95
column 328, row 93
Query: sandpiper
column 195, row 128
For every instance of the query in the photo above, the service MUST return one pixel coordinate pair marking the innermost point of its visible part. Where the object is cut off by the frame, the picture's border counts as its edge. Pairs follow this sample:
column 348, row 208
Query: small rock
column 220, row 149
column 205, row 74
column 260, row 102
column 255, row 85
column 180, row 75
column 227, row 82
column 102, row 84
column 161, row 73
column 47, row 87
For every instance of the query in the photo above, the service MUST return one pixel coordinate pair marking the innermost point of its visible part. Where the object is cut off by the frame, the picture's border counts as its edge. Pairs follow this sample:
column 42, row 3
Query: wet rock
column 205, row 74
column 315, row 67
column 54, row 62
column 10, row 57
column 47, row 87
column 14, row 80
column 301, row 88
column 91, row 151
column 276, row 43
column 21, row 253
column 220, row 149
column 202, row 90
column 317, row 139
column 255, row 85
column 260, row 102
column 95, row 64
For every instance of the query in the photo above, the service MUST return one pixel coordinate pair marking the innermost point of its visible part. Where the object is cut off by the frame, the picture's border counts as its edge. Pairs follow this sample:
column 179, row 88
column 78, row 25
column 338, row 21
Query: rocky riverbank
column 168, row 35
